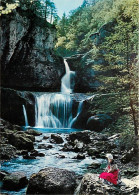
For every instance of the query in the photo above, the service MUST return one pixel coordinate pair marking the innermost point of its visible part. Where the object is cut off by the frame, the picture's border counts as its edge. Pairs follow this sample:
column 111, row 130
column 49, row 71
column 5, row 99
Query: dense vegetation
column 44, row 8
column 113, row 56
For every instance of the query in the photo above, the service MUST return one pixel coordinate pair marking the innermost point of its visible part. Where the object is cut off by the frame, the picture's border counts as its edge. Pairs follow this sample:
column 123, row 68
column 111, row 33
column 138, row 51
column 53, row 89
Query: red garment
column 111, row 177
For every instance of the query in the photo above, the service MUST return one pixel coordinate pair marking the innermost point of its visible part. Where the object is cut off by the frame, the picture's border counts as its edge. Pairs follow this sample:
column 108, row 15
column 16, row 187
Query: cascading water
column 25, row 116
column 67, row 82
column 54, row 110
column 78, row 112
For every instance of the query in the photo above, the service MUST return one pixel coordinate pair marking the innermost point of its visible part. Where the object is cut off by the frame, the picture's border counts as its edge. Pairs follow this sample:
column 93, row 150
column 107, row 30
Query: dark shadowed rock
column 33, row 132
column 5, row 124
column 56, row 139
column 127, row 157
column 12, row 106
column 80, row 156
column 20, row 140
column 94, row 165
column 22, row 152
column 3, row 174
column 45, row 137
column 44, row 146
column 98, row 122
column 15, row 181
column 27, row 156
column 84, row 78
column 51, row 181
column 7, row 151
column 83, row 136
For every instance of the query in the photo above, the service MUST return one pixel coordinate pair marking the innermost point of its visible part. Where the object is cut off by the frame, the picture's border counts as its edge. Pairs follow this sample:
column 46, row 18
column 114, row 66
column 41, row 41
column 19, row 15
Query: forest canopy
column 106, row 33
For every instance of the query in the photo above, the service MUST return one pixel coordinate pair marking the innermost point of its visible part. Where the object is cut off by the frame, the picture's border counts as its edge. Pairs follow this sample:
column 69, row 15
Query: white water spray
column 25, row 116
column 53, row 110
column 67, row 82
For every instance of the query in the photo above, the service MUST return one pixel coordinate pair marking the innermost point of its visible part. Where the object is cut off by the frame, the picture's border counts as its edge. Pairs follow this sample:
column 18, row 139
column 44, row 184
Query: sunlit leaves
column 8, row 7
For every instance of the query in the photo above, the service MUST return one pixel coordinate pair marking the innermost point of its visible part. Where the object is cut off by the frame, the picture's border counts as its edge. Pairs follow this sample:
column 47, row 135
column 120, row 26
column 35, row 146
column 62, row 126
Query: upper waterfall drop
column 67, row 81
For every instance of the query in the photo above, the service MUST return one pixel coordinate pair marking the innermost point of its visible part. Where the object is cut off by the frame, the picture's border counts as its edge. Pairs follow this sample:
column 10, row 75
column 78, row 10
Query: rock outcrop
column 15, row 142
column 51, row 181
column 98, row 122
column 91, row 185
column 12, row 102
column 28, row 61
column 85, row 77
column 14, row 181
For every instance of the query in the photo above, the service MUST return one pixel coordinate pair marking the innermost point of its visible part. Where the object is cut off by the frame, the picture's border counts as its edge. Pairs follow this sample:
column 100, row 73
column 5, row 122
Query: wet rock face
column 56, row 139
column 83, row 136
column 51, row 181
column 7, row 151
column 98, row 122
column 84, row 78
column 28, row 59
column 12, row 102
column 15, row 142
column 15, row 181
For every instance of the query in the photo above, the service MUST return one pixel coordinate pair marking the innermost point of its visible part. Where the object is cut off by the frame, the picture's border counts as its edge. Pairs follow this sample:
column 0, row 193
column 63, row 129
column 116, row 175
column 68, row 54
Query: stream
column 54, row 157
column 53, row 115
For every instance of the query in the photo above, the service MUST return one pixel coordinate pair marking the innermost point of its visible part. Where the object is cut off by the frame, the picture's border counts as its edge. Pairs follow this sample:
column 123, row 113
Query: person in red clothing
column 110, row 174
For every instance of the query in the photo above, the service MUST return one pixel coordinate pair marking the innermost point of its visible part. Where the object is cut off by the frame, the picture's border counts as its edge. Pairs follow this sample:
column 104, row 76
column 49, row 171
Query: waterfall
column 78, row 112
column 67, row 82
column 54, row 110
column 25, row 116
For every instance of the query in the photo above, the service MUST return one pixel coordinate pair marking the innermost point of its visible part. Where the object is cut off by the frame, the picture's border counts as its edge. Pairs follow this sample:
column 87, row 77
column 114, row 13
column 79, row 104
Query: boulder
column 36, row 153
column 22, row 152
column 79, row 146
column 5, row 124
column 93, row 151
column 27, row 156
column 20, row 140
column 33, row 132
column 80, row 156
column 94, row 165
column 98, row 122
column 83, row 136
column 44, row 146
column 45, row 137
column 7, row 151
column 68, row 147
column 56, row 139
column 3, row 174
column 51, row 181
column 61, row 156
column 127, row 157
column 15, row 181
column 17, row 127
column 90, row 185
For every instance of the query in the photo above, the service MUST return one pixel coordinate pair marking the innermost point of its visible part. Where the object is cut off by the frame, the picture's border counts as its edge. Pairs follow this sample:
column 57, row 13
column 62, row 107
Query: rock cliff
column 27, row 54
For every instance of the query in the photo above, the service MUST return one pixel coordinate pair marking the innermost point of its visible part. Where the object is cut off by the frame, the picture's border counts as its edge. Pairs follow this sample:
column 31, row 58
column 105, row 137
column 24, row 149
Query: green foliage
column 114, row 56
column 42, row 8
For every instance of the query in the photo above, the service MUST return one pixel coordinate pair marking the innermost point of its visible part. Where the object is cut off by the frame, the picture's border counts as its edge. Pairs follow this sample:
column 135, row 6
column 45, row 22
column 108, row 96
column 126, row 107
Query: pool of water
column 51, row 158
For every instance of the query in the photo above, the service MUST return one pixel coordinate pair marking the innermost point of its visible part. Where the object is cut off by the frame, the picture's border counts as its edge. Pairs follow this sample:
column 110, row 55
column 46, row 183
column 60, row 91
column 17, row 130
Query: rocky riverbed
column 36, row 156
